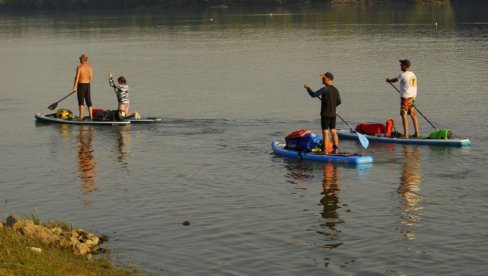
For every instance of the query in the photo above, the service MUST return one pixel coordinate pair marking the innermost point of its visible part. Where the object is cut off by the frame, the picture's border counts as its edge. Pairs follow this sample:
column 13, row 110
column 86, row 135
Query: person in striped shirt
column 121, row 90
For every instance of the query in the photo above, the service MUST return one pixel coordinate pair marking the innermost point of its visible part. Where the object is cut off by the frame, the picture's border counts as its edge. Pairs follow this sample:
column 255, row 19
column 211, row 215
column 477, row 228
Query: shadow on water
column 409, row 190
column 330, row 201
column 299, row 172
column 123, row 145
column 408, row 157
column 87, row 163
column 84, row 138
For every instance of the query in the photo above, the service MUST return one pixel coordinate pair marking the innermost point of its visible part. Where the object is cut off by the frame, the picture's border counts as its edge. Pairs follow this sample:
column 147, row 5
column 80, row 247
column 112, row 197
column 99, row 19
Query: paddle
column 415, row 108
column 364, row 141
column 54, row 105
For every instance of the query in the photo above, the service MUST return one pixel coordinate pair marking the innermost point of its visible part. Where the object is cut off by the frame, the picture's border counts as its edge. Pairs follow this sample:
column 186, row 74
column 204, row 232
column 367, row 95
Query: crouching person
column 121, row 90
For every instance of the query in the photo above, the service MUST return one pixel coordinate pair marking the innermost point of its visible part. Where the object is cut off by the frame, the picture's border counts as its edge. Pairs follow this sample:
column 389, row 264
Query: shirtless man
column 83, row 77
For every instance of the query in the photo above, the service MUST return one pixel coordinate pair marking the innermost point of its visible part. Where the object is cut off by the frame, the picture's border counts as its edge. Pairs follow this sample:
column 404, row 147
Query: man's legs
column 325, row 134
column 405, row 126
column 80, row 96
column 335, row 140
column 81, row 111
column 415, row 124
column 90, row 112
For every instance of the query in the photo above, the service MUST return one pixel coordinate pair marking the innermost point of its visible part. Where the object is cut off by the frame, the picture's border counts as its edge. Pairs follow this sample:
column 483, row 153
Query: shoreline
column 54, row 248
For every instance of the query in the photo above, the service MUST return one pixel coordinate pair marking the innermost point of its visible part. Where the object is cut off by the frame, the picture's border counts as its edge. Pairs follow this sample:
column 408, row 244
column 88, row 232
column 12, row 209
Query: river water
column 227, row 83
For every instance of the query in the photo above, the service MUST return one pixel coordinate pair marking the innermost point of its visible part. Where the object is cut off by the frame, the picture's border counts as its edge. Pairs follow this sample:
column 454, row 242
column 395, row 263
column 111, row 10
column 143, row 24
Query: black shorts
column 84, row 94
column 328, row 122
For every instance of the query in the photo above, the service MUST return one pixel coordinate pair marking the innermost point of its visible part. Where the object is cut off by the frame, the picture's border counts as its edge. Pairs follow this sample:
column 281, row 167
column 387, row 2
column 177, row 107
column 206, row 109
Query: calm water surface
column 226, row 83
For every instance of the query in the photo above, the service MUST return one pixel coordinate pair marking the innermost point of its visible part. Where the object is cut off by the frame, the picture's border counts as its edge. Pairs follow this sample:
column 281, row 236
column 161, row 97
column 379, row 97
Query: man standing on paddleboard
column 408, row 92
column 330, row 98
column 83, row 77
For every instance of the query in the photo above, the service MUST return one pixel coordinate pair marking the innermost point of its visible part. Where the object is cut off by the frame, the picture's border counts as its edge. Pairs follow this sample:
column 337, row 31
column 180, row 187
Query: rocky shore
column 79, row 241
column 29, row 247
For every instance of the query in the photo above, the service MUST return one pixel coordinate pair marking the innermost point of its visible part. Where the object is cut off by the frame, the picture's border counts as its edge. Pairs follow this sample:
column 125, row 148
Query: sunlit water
column 226, row 83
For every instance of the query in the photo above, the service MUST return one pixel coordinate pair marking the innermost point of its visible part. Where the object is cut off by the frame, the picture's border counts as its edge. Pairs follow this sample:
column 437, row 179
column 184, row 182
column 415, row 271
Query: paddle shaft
column 415, row 107
column 362, row 139
column 346, row 123
column 53, row 106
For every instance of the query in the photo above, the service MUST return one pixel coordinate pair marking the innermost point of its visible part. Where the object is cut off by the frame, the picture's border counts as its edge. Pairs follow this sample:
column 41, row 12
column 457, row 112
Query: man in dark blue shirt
column 330, row 98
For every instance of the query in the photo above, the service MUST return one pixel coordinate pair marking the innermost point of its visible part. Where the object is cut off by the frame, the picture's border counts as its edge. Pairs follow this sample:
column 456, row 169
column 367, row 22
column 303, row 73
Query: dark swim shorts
column 84, row 94
column 328, row 122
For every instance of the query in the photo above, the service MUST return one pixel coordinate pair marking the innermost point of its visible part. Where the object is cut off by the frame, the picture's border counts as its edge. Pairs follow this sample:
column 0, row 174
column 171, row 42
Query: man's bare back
column 84, row 74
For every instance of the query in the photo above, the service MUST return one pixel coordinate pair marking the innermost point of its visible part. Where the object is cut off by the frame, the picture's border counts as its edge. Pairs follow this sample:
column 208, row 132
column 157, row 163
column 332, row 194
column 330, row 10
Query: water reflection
column 65, row 130
column 86, row 162
column 123, row 145
column 299, row 173
column 330, row 201
column 409, row 189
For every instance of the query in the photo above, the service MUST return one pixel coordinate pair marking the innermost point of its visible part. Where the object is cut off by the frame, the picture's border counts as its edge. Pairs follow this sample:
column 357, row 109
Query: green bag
column 441, row 134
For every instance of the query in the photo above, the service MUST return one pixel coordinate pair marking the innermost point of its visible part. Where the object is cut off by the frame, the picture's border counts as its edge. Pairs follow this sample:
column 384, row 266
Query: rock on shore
column 81, row 242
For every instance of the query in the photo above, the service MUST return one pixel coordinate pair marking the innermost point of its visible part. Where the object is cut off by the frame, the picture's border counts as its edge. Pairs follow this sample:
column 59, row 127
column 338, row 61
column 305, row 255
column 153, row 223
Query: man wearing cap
column 408, row 92
column 330, row 98
column 83, row 77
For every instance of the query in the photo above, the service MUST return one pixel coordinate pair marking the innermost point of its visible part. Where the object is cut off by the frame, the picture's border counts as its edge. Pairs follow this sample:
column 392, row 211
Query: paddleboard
column 343, row 158
column 144, row 120
column 453, row 142
column 41, row 117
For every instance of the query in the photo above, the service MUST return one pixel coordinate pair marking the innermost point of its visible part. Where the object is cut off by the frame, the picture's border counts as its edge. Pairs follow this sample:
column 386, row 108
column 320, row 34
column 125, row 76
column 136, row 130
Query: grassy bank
column 22, row 256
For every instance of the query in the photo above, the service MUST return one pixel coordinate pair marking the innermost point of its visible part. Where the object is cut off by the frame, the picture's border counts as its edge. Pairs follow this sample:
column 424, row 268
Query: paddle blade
column 364, row 141
column 53, row 106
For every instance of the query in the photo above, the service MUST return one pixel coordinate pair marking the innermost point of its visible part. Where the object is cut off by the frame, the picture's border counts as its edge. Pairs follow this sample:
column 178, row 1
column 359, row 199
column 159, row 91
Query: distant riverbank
column 418, row 10
column 191, row 4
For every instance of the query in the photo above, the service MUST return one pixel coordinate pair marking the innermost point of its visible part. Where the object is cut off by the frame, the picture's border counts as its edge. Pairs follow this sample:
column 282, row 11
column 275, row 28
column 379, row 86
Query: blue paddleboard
column 342, row 158
column 453, row 142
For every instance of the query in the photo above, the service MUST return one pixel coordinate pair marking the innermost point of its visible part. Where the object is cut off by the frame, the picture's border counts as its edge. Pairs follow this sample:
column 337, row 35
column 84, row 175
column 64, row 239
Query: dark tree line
column 131, row 4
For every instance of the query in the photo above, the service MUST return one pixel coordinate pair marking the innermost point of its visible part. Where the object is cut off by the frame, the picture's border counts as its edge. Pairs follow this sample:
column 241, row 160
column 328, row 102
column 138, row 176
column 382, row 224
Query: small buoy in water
column 186, row 223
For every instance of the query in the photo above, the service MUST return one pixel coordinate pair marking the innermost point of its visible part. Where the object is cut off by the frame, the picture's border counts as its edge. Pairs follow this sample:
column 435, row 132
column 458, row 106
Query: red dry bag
column 371, row 128
column 390, row 125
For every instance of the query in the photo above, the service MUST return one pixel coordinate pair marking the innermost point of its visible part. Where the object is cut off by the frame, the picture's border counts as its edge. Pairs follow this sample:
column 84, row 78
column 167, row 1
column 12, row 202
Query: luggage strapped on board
column 378, row 129
column 303, row 140
column 64, row 113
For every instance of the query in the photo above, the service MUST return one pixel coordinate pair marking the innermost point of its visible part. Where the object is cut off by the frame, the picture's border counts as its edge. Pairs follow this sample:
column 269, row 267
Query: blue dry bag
column 302, row 140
